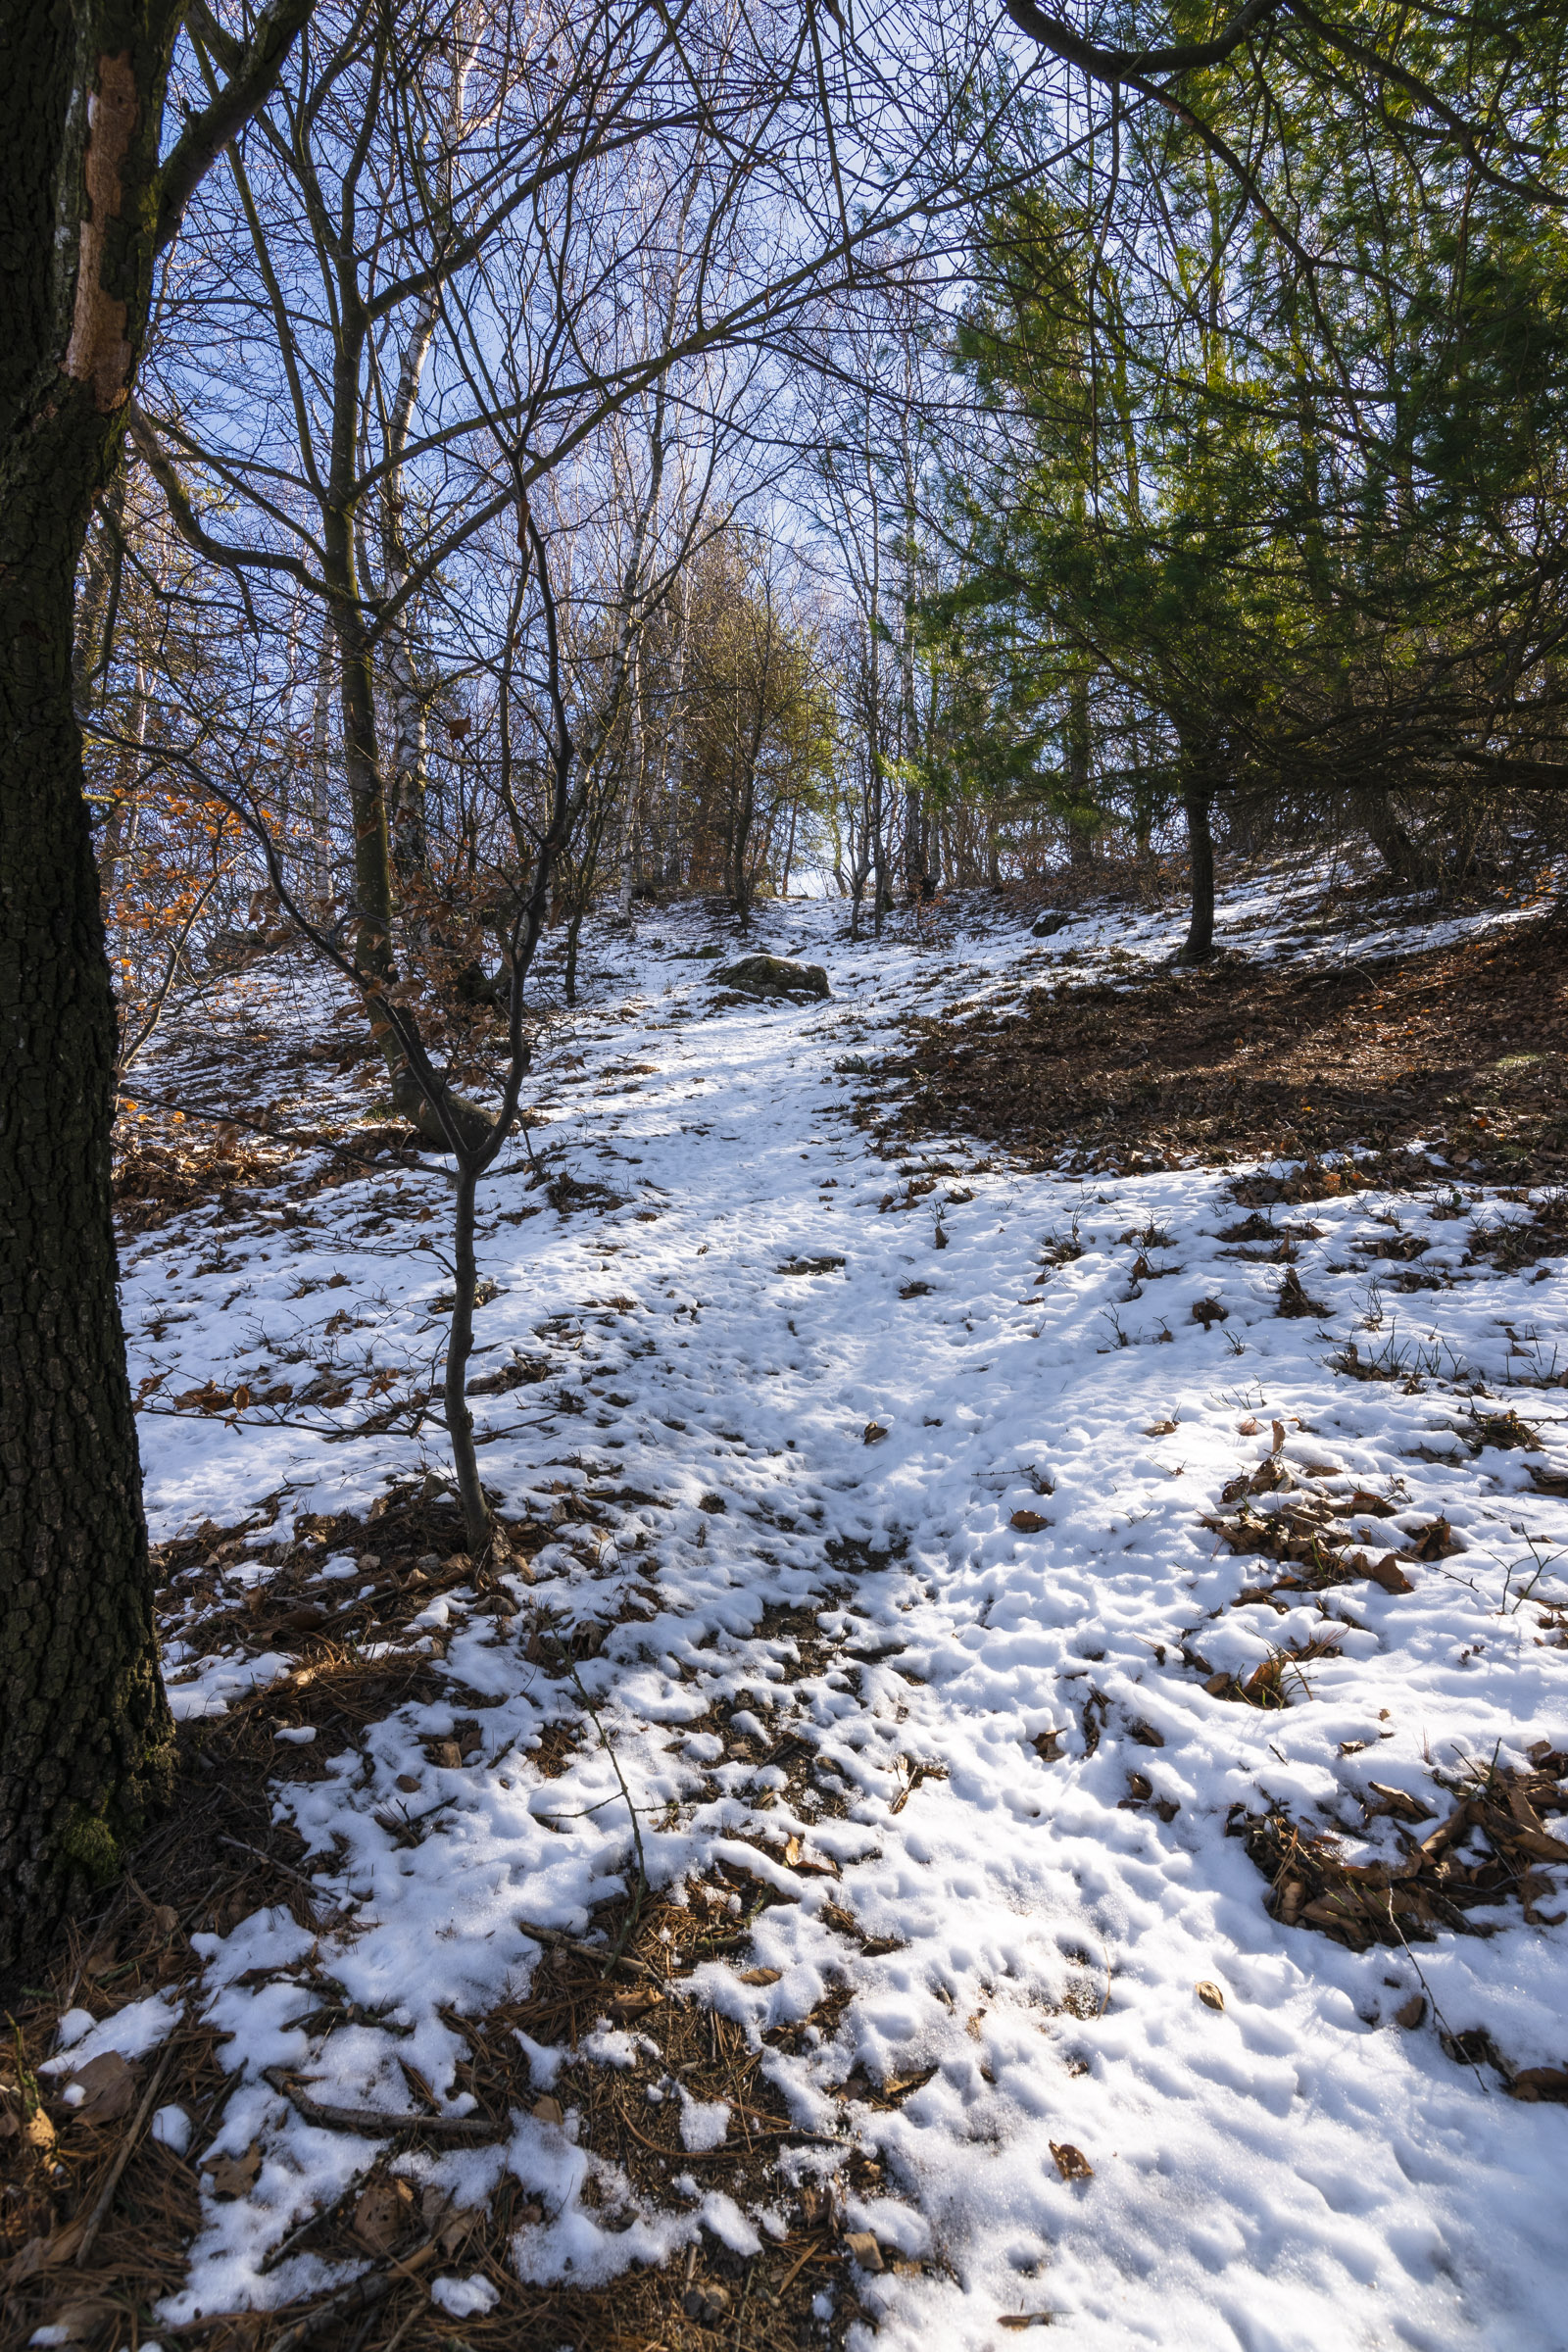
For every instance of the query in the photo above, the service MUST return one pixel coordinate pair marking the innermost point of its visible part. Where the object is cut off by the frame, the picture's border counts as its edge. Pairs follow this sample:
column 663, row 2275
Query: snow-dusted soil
column 992, row 1489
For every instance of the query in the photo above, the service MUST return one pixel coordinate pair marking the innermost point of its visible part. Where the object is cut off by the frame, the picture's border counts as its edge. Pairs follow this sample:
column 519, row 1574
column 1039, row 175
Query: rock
column 1047, row 924
column 776, row 976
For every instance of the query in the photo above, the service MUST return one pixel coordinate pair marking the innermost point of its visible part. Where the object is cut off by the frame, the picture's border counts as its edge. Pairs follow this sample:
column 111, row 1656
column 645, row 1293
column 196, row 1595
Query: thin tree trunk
column 631, row 806
column 117, row 835
column 320, row 777
column 1411, row 867
column 1198, row 799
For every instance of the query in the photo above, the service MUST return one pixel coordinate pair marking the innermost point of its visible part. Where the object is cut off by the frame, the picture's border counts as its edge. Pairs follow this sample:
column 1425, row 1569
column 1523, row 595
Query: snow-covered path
column 934, row 1407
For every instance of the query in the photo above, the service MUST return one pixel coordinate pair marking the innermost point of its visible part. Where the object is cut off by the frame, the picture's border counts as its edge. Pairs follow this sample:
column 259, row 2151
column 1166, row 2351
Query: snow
column 131, row 2031
column 1291, row 2172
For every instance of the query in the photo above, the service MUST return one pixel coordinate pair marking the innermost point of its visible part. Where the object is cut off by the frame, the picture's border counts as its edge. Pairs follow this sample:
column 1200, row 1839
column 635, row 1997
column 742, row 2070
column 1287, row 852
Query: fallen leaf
column 1210, row 1994
column 873, row 1432
column 74, row 2323
column 1278, row 1428
column 864, row 2249
column 1433, row 1542
column 107, row 2087
column 1029, row 1523
column 1540, row 2083
column 1400, row 1801
column 549, row 2111
column 38, row 2131
column 760, row 1976
column 1048, row 1746
column 708, row 2305
column 232, row 2176
column 1156, row 1429
column 1071, row 2163
column 636, row 2000
column 1248, row 1428
column 791, row 1849
column 1411, row 2013
column 1145, row 1733
column 408, row 1782
column 381, row 2214
column 1388, row 1573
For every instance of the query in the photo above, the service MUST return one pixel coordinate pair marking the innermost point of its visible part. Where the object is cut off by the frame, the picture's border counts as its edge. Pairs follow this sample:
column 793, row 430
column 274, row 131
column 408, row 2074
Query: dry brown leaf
column 1156, row 1429
column 409, row 1783
column 1210, row 1994
column 1071, row 2163
column 1248, row 1428
column 549, row 2111
column 1388, row 1573
column 234, row 2176
column 108, row 2086
column 636, row 2000
column 38, row 2131
column 381, row 2214
column 872, row 1433
column 862, row 2249
column 1540, row 2083
column 792, row 1850
column 1411, row 2013
column 1029, row 1523
column 760, row 1976
column 74, row 2323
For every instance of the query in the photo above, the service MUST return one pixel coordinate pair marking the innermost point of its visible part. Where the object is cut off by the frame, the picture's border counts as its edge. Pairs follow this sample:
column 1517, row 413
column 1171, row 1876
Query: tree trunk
column 85, row 1735
column 1198, row 798
column 321, row 775
column 1080, row 825
column 1413, row 868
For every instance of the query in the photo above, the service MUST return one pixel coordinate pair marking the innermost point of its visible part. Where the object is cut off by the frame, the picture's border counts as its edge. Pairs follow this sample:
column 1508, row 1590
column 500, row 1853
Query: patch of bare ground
column 1457, row 1046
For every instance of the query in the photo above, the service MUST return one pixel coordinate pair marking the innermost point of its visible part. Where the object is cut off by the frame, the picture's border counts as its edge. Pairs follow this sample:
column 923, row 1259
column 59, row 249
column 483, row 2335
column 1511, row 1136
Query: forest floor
column 1012, row 1777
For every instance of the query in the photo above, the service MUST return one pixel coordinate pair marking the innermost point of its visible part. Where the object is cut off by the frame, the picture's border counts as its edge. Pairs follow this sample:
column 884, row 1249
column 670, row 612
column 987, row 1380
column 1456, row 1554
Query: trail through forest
column 1010, row 1777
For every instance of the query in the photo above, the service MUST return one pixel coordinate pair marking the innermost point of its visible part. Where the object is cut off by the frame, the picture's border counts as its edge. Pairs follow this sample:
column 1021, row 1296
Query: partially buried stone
column 774, row 976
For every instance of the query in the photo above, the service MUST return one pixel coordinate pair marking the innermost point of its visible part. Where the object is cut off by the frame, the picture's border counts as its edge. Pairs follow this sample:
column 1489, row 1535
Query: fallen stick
column 376, row 2122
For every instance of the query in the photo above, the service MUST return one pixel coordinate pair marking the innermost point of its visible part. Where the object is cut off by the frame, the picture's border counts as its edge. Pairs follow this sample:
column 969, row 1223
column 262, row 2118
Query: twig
column 286, row 2246
column 588, row 1951
column 271, row 1860
column 606, row 1744
column 815, row 2139
column 105, row 2196
column 376, row 2121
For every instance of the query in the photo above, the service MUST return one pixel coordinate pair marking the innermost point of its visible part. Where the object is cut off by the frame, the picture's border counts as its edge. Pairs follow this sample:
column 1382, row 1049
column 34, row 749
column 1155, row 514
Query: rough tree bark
column 85, row 1735
column 1198, row 799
